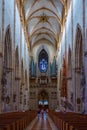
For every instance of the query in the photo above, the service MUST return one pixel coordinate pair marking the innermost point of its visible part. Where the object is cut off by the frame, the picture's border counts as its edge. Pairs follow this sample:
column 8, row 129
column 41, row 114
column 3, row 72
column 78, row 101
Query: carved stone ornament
column 78, row 69
column 1, row 54
column 14, row 97
column 78, row 100
column 69, row 78
column 17, row 78
column 3, row 98
column 7, row 99
column 8, row 69
column 3, row 80
column 85, row 53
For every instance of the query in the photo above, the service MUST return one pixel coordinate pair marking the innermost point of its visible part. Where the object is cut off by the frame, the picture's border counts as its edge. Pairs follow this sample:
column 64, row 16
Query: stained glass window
column 43, row 65
column 43, row 61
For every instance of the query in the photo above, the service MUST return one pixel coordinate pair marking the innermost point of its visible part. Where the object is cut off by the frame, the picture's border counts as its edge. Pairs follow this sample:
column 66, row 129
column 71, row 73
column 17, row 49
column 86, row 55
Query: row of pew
column 69, row 120
column 16, row 120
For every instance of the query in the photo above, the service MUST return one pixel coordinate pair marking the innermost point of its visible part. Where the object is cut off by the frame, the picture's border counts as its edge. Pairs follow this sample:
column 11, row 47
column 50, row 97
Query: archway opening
column 43, row 100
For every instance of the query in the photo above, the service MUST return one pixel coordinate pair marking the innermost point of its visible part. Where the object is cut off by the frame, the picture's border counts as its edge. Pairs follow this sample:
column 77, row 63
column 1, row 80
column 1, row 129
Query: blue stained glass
column 46, row 102
column 43, row 65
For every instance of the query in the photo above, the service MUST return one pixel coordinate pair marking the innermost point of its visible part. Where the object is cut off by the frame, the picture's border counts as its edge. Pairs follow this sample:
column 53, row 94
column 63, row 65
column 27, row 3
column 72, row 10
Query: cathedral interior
column 43, row 56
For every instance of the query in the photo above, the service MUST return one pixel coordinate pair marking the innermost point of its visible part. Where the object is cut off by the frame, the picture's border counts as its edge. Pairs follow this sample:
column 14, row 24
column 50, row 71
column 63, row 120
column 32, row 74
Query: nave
column 43, row 64
column 29, row 120
column 42, row 123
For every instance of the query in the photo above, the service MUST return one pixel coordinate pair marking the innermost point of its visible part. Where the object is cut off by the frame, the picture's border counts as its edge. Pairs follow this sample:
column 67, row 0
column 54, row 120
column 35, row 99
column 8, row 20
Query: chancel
column 43, row 64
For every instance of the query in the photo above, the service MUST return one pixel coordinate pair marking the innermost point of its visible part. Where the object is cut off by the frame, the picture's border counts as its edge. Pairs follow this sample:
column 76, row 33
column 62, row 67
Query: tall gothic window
column 16, row 63
column 8, row 49
column 78, row 50
column 43, row 61
column 79, row 70
column 69, row 63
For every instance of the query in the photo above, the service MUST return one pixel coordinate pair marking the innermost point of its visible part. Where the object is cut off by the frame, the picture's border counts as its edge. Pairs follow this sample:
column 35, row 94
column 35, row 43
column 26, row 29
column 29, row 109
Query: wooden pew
column 16, row 120
column 69, row 121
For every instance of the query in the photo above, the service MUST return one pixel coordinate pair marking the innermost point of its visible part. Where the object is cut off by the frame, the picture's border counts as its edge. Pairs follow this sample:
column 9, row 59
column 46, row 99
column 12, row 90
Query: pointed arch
column 22, row 82
column 22, row 72
column 16, row 63
column 78, row 68
column 64, row 81
column 8, row 68
column 78, row 49
column 69, row 63
column 60, row 79
column 26, row 79
column 43, row 61
column 8, row 48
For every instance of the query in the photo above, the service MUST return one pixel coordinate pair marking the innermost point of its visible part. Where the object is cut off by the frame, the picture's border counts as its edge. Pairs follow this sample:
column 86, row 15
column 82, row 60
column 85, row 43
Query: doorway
column 43, row 100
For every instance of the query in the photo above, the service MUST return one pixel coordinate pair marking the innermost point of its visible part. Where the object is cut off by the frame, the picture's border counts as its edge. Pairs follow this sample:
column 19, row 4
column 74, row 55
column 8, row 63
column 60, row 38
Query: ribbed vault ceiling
column 43, row 20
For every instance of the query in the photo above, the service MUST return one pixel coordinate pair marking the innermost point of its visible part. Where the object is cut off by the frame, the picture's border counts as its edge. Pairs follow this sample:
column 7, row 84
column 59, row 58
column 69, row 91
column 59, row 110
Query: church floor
column 42, row 123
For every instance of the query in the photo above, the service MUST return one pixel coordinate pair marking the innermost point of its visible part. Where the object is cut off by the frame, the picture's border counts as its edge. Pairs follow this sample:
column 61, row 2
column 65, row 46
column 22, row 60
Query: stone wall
column 9, row 16
column 75, row 18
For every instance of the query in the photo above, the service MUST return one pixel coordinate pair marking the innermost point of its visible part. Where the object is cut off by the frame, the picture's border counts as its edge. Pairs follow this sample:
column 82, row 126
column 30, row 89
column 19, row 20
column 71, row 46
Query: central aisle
column 42, row 123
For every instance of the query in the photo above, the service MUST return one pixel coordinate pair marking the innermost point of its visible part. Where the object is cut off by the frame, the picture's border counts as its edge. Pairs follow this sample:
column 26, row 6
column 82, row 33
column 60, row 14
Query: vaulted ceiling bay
column 43, row 20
